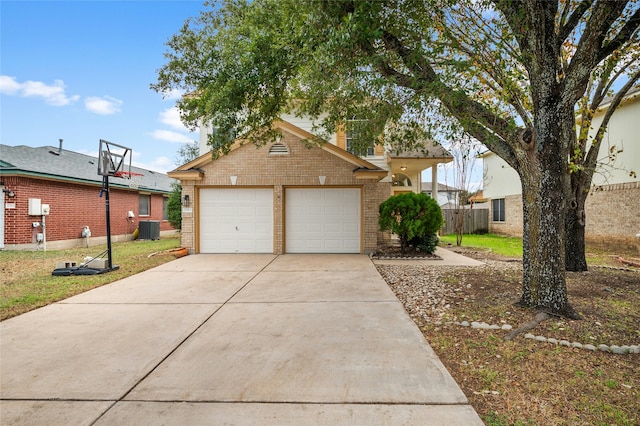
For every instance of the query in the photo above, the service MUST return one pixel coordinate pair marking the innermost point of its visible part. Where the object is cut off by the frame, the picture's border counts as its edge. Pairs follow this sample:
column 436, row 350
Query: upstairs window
column 354, row 144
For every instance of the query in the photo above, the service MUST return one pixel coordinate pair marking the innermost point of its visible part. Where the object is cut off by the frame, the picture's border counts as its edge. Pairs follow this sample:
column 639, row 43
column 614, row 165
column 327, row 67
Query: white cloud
column 171, row 117
column 9, row 85
column 172, row 94
column 171, row 136
column 52, row 94
column 103, row 106
column 160, row 164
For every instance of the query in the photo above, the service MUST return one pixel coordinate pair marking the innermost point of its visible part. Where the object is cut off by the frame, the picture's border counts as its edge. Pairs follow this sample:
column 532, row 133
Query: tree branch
column 622, row 37
column 590, row 50
column 457, row 102
column 574, row 19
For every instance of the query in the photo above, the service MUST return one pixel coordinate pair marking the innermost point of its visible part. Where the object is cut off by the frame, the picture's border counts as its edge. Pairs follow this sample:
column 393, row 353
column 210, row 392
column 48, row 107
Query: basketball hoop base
column 79, row 270
column 85, row 269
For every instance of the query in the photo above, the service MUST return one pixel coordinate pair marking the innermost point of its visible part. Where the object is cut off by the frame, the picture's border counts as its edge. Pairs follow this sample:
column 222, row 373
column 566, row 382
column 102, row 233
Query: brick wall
column 512, row 224
column 255, row 167
column 73, row 206
column 612, row 215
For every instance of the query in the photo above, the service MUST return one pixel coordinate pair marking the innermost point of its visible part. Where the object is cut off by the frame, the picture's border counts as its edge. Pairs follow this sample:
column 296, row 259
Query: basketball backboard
column 113, row 159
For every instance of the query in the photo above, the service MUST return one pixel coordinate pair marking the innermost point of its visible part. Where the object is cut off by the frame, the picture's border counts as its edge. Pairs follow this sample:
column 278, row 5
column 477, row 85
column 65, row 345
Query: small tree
column 413, row 217
column 465, row 153
column 174, row 206
column 187, row 152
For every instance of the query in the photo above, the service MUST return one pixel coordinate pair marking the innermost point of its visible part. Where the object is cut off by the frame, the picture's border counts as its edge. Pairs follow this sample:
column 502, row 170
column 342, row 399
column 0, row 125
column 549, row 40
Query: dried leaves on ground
column 525, row 381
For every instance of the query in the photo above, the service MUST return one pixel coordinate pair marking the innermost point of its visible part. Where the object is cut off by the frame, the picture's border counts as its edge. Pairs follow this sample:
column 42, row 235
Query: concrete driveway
column 228, row 339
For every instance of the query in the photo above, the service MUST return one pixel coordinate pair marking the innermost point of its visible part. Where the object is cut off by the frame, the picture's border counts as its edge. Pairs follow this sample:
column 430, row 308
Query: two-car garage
column 316, row 220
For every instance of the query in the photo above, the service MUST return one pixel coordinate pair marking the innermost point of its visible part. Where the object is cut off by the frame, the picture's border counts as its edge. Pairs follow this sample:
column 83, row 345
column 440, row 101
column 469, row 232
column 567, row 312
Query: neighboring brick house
column 613, row 204
column 68, row 183
column 286, row 197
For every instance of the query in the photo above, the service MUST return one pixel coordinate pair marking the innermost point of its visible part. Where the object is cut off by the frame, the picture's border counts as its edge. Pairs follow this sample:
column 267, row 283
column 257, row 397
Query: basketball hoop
column 134, row 178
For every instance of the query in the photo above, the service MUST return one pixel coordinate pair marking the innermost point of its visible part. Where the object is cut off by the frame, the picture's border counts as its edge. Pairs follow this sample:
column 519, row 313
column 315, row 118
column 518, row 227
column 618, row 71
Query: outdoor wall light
column 403, row 168
column 9, row 193
column 185, row 200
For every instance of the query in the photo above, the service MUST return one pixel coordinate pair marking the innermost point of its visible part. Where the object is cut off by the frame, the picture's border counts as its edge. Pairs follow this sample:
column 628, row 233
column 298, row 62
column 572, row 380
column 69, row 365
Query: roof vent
column 59, row 149
column 279, row 148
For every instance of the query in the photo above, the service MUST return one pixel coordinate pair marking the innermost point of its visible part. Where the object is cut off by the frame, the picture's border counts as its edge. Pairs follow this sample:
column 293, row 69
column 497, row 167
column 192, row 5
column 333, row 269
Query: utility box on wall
column 35, row 207
column 149, row 230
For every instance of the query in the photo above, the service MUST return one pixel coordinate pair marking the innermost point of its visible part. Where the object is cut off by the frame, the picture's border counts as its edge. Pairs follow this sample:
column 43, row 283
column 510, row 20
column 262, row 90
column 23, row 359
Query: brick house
column 67, row 182
column 613, row 202
column 286, row 197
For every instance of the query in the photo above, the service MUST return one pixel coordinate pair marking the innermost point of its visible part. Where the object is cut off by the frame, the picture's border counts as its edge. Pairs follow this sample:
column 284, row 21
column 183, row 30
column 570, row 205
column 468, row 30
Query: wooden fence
column 476, row 221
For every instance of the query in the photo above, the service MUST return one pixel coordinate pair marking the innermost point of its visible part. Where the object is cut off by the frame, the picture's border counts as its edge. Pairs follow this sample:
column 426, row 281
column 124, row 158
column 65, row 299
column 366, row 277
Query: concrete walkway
column 228, row 339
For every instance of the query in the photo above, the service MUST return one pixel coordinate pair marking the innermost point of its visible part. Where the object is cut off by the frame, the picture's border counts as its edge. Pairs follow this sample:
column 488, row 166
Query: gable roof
column 363, row 168
column 431, row 149
column 51, row 163
column 632, row 95
column 426, row 187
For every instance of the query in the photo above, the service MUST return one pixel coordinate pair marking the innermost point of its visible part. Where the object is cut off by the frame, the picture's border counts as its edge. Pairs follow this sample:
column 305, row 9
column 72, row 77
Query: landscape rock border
column 382, row 256
column 615, row 349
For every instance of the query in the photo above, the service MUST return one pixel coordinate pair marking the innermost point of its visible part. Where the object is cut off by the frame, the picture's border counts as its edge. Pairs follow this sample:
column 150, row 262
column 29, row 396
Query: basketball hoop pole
column 105, row 186
column 112, row 162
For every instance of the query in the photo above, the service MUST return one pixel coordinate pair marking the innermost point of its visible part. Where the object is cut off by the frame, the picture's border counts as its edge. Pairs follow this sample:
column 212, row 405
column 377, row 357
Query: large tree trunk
column 575, row 250
column 543, row 285
column 544, row 181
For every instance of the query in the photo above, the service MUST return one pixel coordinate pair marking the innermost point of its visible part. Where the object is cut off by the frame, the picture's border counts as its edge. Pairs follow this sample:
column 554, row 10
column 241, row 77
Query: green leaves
column 413, row 217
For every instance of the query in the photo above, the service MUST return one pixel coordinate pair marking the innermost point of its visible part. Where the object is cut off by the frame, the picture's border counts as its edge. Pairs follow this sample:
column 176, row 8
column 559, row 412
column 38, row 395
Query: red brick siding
column 73, row 206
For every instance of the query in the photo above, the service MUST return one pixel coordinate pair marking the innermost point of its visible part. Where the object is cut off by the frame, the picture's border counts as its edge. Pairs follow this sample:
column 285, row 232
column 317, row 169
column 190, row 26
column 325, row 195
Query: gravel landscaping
column 561, row 372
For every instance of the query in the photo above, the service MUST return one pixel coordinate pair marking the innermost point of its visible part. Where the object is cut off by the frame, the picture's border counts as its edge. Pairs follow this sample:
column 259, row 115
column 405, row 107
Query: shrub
column 426, row 244
column 174, row 206
column 414, row 218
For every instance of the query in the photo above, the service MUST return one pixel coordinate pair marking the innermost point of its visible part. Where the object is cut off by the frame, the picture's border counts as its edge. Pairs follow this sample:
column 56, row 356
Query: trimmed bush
column 414, row 218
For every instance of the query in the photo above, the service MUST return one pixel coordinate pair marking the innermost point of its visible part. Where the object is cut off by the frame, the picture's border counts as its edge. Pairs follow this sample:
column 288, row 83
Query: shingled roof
column 64, row 165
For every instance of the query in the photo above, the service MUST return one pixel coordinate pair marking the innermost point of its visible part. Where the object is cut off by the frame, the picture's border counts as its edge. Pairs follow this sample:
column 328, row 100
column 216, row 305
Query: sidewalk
column 229, row 339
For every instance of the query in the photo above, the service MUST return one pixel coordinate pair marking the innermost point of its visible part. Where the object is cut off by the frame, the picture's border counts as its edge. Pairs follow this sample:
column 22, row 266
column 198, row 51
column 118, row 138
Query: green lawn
column 504, row 246
column 27, row 282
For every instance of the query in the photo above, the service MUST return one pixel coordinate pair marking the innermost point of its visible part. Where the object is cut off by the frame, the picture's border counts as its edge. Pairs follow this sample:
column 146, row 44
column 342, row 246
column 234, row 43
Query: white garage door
column 323, row 220
column 236, row 220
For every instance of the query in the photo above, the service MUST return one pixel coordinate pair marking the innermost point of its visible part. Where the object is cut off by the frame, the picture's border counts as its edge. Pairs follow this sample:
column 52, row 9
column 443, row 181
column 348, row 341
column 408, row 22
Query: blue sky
column 80, row 71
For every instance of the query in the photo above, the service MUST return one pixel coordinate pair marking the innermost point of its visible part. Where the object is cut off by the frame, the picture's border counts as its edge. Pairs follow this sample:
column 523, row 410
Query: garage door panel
column 264, row 211
column 333, row 227
column 323, row 220
column 334, row 211
column 238, row 220
column 245, row 212
column 351, row 227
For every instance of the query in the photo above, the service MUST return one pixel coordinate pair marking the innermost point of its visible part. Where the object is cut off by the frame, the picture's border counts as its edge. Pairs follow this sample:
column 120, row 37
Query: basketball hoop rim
column 126, row 175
